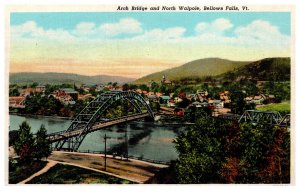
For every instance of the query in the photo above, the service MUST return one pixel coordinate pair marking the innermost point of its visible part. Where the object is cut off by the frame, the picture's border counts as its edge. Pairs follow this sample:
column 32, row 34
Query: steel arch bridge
column 91, row 118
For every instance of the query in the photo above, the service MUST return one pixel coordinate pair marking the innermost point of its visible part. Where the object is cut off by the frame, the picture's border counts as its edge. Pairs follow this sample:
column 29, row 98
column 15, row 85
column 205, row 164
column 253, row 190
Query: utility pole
column 105, row 152
column 126, row 143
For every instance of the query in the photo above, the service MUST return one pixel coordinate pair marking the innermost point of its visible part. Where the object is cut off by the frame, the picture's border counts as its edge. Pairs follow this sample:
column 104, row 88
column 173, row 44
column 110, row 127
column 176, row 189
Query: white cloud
column 124, row 26
column 261, row 33
column 257, row 34
column 85, row 28
column 160, row 34
column 27, row 28
column 30, row 29
column 217, row 26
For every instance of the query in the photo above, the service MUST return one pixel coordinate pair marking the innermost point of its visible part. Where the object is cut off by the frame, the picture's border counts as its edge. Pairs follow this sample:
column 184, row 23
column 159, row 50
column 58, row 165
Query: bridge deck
column 64, row 134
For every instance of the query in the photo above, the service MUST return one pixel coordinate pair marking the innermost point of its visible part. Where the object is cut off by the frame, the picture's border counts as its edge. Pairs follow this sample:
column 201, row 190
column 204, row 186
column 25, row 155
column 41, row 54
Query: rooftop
column 69, row 90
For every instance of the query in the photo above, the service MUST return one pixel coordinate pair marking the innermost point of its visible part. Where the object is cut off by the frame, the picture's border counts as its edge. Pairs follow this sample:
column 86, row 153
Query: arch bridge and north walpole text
column 92, row 118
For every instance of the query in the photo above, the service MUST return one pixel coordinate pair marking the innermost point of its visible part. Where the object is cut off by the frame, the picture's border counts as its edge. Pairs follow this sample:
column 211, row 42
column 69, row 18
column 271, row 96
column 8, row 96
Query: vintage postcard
column 150, row 94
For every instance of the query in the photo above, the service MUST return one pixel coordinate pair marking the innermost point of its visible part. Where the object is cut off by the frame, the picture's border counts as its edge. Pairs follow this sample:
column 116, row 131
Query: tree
column 13, row 92
column 34, row 85
column 42, row 145
column 144, row 87
column 13, row 137
column 133, row 86
column 125, row 87
column 154, row 87
column 25, row 143
column 237, row 101
column 199, row 153
column 220, row 151
column 115, row 84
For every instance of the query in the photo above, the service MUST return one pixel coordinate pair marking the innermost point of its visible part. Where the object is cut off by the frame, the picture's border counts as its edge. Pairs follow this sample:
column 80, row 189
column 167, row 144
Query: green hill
column 198, row 68
column 59, row 78
column 269, row 69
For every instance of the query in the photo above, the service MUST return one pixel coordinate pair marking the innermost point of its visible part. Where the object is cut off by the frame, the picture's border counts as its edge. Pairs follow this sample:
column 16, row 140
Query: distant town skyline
column 136, row 44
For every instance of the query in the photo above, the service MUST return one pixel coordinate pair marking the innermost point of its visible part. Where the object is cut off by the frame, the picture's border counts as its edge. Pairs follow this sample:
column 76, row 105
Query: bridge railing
column 66, row 134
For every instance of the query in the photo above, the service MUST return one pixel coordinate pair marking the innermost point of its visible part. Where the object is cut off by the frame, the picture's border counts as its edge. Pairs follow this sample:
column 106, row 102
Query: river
column 147, row 140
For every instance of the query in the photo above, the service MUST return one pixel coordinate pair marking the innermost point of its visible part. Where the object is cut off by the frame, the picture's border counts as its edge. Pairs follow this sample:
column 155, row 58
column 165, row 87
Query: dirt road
column 133, row 170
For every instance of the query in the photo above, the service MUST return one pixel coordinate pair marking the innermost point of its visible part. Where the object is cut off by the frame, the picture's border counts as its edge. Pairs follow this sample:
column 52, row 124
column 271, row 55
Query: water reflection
column 145, row 139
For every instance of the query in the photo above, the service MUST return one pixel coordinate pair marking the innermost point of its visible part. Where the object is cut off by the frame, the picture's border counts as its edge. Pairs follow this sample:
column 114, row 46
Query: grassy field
column 18, row 172
column 66, row 174
column 284, row 107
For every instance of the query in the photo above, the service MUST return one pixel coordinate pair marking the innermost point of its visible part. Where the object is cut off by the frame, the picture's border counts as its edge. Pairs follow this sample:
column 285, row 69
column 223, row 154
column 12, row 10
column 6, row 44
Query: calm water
column 149, row 140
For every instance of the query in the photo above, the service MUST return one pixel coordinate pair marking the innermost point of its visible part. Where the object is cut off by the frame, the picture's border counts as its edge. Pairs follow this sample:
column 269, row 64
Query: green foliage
column 199, row 153
column 34, row 85
column 29, row 147
column 81, row 91
column 265, row 157
column 237, row 96
column 18, row 171
column 133, row 86
column 115, row 84
column 155, row 106
column 125, row 87
column 270, row 69
column 93, row 91
column 42, row 145
column 24, row 145
column 13, row 92
column 215, row 151
column 13, row 137
column 42, row 105
column 143, row 87
column 76, row 108
column 283, row 108
column 281, row 90
column 66, row 174
column 154, row 87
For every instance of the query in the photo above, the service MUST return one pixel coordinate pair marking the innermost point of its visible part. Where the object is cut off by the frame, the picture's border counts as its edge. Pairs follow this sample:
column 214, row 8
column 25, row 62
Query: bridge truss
column 256, row 116
column 92, row 115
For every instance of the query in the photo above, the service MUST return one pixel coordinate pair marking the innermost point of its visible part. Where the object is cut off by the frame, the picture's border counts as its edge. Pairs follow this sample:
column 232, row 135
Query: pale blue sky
column 150, row 20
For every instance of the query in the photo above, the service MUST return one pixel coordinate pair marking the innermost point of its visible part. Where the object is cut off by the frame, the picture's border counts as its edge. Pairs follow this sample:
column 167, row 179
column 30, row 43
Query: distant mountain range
column 59, row 78
column 265, row 69
column 197, row 68
column 276, row 69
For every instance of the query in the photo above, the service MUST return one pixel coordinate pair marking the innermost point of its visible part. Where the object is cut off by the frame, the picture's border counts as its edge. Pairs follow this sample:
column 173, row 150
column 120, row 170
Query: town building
column 179, row 112
column 66, row 95
column 224, row 96
column 165, row 81
column 17, row 102
column 67, row 91
column 152, row 98
column 164, row 99
column 27, row 91
column 217, row 104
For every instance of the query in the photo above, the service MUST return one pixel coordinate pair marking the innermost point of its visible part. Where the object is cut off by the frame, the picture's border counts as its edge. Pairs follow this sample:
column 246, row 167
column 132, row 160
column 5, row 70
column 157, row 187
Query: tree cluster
column 215, row 151
column 28, row 146
column 42, row 105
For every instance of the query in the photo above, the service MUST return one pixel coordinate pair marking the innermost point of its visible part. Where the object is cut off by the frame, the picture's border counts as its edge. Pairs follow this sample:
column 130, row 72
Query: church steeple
column 163, row 79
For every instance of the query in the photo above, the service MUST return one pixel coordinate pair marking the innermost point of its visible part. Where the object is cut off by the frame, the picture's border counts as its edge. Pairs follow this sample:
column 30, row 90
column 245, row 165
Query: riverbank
column 40, row 116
